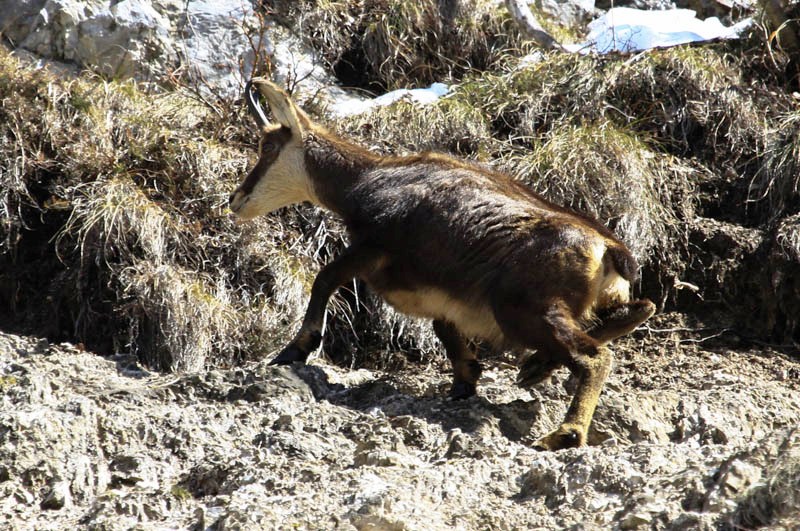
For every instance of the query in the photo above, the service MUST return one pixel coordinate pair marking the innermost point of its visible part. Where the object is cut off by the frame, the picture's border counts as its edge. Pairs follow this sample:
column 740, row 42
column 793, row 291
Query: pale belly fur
column 472, row 320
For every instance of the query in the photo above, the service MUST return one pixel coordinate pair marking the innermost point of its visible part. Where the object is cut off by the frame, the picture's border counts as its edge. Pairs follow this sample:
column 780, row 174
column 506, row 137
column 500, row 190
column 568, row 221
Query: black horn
column 251, row 96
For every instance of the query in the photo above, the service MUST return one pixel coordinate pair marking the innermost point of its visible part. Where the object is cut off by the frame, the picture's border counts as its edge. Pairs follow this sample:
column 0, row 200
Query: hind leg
column 620, row 319
column 612, row 322
column 466, row 369
column 592, row 373
column 551, row 328
column 535, row 367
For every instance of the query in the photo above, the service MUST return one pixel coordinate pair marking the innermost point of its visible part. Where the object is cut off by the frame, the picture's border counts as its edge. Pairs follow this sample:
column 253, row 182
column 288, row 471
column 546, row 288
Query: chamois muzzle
column 251, row 97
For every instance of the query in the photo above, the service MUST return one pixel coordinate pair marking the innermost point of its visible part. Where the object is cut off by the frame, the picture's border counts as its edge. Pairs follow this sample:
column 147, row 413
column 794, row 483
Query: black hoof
column 462, row 391
column 289, row 355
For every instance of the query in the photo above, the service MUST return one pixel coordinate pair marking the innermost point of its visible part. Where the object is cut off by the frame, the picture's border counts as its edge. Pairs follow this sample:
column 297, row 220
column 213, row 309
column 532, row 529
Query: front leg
column 353, row 262
column 466, row 369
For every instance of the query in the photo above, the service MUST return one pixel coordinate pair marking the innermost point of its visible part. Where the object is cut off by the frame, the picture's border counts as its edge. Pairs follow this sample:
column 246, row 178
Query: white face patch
column 280, row 177
column 284, row 182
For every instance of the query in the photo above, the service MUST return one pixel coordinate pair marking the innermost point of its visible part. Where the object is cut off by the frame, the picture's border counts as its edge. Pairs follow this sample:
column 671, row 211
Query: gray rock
column 153, row 41
column 570, row 13
column 57, row 497
column 210, row 46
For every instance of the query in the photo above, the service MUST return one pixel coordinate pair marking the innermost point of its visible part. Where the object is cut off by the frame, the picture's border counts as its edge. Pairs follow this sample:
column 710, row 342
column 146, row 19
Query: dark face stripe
column 278, row 138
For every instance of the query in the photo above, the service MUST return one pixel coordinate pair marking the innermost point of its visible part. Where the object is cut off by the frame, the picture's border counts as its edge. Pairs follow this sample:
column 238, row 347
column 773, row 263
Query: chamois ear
column 283, row 108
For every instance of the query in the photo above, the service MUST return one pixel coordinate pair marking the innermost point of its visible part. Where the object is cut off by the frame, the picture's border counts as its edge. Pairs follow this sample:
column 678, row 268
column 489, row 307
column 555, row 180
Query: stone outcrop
column 204, row 42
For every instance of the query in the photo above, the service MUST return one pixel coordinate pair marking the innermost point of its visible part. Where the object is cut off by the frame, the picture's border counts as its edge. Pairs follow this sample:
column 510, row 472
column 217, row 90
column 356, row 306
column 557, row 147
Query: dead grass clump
column 24, row 91
column 179, row 318
column 119, row 217
column 450, row 125
column 423, row 42
column 694, row 101
column 691, row 101
column 388, row 44
column 611, row 174
column 528, row 101
column 775, row 190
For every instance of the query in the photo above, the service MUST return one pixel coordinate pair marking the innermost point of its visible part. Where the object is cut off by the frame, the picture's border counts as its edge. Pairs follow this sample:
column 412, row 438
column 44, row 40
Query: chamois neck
column 335, row 167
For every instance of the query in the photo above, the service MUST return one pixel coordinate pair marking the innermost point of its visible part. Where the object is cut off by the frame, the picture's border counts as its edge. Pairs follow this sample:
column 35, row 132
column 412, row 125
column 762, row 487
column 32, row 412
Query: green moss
column 7, row 382
column 180, row 492
column 80, row 101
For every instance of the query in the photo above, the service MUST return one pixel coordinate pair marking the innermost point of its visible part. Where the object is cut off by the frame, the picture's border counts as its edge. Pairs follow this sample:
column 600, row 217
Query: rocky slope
column 686, row 437
column 114, row 234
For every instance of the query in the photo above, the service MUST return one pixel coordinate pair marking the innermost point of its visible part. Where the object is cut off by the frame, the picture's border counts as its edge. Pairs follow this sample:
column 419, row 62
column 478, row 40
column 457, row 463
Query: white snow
column 421, row 96
column 625, row 29
column 621, row 29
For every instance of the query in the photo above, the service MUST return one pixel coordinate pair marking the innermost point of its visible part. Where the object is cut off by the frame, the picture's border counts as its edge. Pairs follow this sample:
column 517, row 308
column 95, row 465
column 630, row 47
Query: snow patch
column 349, row 106
column 624, row 29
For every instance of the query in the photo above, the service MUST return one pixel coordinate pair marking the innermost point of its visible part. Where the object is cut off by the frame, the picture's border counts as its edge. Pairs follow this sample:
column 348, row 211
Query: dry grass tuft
column 119, row 217
column 178, row 318
column 388, row 44
column 775, row 190
column 694, row 100
column 451, row 125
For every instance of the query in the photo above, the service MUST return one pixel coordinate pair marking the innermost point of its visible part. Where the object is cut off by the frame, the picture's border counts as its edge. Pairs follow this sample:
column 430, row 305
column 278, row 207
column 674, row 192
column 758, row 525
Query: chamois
column 475, row 251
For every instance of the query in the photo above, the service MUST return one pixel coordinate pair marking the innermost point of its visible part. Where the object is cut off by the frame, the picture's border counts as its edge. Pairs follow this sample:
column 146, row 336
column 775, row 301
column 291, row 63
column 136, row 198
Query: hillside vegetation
column 115, row 232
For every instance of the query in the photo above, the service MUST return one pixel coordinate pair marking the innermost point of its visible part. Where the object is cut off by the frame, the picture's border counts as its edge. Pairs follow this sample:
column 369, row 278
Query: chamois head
column 279, row 178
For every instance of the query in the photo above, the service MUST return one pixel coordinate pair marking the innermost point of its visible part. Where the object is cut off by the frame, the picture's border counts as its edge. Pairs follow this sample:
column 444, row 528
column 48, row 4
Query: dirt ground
column 692, row 432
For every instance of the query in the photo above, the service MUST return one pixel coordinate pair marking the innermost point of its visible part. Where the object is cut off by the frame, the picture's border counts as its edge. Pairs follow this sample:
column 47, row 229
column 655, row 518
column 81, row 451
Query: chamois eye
column 268, row 147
